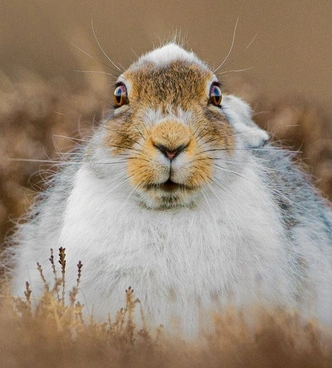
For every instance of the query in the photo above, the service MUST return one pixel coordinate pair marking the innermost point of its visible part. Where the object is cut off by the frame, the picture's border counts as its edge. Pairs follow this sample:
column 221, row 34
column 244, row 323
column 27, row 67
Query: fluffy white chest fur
column 177, row 261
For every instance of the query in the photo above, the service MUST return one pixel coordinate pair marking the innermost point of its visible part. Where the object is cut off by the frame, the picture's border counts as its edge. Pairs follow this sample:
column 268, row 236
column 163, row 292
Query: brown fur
column 179, row 84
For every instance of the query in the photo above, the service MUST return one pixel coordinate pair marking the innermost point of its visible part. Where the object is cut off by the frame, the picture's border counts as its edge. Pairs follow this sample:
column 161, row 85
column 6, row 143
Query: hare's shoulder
column 292, row 190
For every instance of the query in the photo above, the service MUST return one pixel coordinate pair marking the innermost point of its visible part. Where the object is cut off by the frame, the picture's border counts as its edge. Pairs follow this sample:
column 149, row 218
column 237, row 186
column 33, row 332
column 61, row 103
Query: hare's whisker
column 135, row 141
column 92, row 57
column 231, row 48
column 65, row 163
column 236, row 70
column 242, row 52
column 120, row 184
column 138, row 158
column 241, row 149
column 95, row 72
column 140, row 133
column 125, row 201
column 74, row 140
column 102, row 50
column 39, row 161
column 124, row 147
column 216, row 195
column 230, row 171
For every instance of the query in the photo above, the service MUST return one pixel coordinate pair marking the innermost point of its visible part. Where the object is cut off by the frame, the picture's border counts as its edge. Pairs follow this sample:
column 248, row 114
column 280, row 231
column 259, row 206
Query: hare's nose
column 171, row 153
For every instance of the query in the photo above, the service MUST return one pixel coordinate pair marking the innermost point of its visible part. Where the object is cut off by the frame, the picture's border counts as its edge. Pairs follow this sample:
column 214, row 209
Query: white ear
column 239, row 115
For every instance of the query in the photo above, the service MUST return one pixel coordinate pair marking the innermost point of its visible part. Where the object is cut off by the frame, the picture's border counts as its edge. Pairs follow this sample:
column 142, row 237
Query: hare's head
column 174, row 129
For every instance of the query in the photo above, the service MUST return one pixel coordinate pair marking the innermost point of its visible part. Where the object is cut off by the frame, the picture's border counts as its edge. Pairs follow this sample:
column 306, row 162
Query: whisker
column 124, row 147
column 213, row 191
column 198, row 159
column 105, row 163
column 223, row 188
column 92, row 57
column 134, row 52
column 102, row 50
column 243, row 51
column 135, row 141
column 138, row 158
column 140, row 133
column 95, row 72
column 68, row 163
column 119, row 185
column 230, row 171
column 37, row 161
column 63, row 114
column 72, row 139
column 231, row 48
column 236, row 70
column 208, row 158
column 210, row 210
column 247, row 149
column 125, row 201
column 214, row 181
column 199, row 136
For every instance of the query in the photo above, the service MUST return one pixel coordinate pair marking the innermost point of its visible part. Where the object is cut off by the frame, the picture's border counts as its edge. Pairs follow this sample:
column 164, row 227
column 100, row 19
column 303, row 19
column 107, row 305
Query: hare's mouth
column 168, row 195
column 168, row 186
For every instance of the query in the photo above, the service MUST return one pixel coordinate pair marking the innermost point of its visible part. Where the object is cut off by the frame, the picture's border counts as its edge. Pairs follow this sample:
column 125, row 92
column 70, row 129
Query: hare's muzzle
column 170, row 165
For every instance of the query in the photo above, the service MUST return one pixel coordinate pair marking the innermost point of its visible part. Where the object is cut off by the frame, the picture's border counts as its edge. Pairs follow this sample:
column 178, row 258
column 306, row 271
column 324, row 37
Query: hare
column 179, row 195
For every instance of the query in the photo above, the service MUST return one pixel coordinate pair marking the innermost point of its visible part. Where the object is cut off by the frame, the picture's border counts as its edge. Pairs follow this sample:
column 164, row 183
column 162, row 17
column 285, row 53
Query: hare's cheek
column 200, row 175
column 146, row 167
column 194, row 171
column 194, row 168
column 142, row 173
column 121, row 135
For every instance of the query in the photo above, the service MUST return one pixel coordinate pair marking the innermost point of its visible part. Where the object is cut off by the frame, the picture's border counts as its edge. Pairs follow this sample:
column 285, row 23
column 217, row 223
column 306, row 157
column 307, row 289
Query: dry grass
column 54, row 333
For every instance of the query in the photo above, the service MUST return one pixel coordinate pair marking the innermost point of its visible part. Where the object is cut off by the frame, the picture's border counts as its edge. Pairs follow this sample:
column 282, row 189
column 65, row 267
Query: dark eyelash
column 217, row 83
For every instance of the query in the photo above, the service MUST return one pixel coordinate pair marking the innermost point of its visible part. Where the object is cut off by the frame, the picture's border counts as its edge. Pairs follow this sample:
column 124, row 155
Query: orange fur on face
column 170, row 134
column 176, row 98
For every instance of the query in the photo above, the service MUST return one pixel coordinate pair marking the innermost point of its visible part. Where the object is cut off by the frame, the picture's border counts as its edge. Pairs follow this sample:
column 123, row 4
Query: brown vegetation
column 54, row 333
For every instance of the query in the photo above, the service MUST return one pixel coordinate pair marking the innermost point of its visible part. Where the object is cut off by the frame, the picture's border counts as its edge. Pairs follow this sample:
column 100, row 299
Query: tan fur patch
column 179, row 84
column 170, row 134
column 121, row 135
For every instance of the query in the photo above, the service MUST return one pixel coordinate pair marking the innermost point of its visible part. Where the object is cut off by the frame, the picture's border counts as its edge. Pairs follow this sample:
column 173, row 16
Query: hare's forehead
column 174, row 82
column 169, row 74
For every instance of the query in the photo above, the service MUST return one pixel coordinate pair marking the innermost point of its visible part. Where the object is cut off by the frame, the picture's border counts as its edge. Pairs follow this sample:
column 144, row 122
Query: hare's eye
column 120, row 96
column 215, row 97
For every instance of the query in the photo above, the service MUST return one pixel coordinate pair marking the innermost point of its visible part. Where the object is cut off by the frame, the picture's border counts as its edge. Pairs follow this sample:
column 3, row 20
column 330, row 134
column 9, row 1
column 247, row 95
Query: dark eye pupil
column 120, row 96
column 215, row 95
column 216, row 92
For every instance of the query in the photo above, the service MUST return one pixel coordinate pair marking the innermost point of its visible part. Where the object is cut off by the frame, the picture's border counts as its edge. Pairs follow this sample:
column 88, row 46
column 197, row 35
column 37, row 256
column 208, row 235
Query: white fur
column 193, row 254
column 239, row 114
column 167, row 54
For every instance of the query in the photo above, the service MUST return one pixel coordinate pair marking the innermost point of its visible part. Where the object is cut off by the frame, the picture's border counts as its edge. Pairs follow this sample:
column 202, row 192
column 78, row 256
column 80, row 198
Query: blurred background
column 53, row 85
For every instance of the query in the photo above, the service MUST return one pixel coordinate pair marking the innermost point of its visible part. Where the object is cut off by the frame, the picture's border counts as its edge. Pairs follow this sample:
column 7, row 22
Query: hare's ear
column 239, row 115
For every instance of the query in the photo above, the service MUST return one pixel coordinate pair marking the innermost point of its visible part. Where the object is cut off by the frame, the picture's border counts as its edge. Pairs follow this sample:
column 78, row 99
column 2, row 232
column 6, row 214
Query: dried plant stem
column 39, row 268
column 74, row 292
column 62, row 261
column 27, row 294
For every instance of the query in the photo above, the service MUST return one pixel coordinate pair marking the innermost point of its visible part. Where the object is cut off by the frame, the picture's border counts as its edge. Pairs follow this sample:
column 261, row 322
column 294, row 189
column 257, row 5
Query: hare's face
column 170, row 127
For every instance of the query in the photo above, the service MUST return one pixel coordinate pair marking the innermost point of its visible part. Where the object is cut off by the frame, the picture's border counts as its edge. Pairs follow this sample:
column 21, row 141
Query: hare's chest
column 172, row 259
